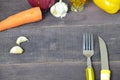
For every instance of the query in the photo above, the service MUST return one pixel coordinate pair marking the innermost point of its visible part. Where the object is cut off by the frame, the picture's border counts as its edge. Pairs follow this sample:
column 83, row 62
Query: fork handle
column 89, row 74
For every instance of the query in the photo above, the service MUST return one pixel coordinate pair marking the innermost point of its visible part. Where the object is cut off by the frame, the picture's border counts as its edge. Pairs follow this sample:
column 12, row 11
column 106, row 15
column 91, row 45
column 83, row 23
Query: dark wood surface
column 54, row 50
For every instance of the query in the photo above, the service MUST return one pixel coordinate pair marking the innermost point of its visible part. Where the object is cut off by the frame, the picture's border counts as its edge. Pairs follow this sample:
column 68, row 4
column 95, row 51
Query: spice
column 16, row 50
column 59, row 9
column 21, row 39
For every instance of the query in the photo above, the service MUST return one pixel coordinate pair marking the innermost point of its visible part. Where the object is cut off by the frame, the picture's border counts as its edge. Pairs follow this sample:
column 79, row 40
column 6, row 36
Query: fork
column 88, row 51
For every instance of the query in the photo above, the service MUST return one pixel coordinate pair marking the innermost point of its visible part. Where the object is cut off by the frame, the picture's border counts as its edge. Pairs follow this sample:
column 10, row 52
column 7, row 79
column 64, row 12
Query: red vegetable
column 43, row 4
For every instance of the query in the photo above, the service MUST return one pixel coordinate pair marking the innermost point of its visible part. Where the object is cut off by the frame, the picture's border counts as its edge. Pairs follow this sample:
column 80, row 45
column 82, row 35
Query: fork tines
column 87, row 41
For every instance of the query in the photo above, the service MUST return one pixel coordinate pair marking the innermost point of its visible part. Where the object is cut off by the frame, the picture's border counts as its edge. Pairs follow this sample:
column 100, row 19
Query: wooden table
column 54, row 50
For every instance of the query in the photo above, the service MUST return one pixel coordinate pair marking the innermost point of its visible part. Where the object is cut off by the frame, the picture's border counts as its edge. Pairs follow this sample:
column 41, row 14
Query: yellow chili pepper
column 109, row 6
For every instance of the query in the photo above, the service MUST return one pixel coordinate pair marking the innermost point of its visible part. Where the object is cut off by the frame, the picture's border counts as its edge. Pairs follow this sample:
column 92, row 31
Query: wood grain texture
column 52, row 71
column 92, row 15
column 54, row 50
column 57, row 44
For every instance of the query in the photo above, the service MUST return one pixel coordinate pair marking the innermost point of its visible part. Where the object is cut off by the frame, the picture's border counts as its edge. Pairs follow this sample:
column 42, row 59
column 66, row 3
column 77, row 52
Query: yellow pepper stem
column 89, row 74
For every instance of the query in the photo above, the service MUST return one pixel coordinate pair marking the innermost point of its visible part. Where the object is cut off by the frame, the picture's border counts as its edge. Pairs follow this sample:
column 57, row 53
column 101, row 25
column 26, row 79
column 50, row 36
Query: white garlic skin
column 16, row 50
column 59, row 9
column 21, row 39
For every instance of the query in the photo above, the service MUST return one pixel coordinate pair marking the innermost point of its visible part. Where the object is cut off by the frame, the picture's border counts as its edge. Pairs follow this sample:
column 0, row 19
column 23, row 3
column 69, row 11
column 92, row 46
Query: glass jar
column 77, row 5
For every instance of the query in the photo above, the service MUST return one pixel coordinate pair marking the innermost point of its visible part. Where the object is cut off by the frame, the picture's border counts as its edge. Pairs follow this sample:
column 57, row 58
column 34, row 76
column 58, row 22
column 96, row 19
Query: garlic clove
column 54, row 12
column 59, row 9
column 16, row 50
column 21, row 39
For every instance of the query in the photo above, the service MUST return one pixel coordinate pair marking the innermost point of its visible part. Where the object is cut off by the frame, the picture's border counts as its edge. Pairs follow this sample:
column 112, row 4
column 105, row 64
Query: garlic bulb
column 21, row 39
column 16, row 50
column 59, row 9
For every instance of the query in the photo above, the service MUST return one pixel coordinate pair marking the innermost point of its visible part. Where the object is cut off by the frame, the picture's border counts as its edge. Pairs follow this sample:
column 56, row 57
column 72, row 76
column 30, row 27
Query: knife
column 105, row 71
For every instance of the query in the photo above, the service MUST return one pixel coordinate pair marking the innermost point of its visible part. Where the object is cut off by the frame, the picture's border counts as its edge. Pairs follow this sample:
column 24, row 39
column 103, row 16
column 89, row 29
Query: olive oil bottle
column 77, row 5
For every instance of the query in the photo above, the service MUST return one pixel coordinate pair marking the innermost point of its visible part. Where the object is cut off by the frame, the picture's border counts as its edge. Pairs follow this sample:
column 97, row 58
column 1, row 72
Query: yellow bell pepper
column 109, row 6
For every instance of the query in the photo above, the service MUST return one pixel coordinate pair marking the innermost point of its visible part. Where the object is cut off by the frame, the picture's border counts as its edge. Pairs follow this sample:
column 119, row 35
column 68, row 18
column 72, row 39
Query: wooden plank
column 92, row 15
column 52, row 71
column 57, row 44
column 55, row 48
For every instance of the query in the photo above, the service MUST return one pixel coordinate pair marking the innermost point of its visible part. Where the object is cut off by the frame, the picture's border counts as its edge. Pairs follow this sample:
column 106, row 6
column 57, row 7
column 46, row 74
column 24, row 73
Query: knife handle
column 105, row 74
column 89, row 74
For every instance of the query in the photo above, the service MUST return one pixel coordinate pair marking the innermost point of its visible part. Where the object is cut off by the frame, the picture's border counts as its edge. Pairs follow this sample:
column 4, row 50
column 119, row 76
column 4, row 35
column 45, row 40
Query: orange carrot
column 24, row 17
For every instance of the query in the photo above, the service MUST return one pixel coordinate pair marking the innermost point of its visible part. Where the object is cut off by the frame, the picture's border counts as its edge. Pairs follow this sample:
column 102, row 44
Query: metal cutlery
column 88, row 51
column 105, row 71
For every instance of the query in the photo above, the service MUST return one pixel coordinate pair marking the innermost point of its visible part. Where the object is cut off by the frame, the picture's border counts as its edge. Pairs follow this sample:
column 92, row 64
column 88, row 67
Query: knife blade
column 105, row 72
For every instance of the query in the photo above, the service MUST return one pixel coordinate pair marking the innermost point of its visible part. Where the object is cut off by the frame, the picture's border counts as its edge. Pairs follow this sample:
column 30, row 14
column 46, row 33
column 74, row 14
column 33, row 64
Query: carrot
column 24, row 17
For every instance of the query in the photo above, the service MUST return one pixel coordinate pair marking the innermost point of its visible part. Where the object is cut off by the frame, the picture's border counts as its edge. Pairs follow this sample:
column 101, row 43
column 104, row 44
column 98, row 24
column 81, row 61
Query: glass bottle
column 77, row 5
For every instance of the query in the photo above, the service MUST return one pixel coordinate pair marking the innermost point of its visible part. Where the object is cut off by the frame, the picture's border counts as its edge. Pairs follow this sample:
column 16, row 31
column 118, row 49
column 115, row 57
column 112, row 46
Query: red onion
column 43, row 4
